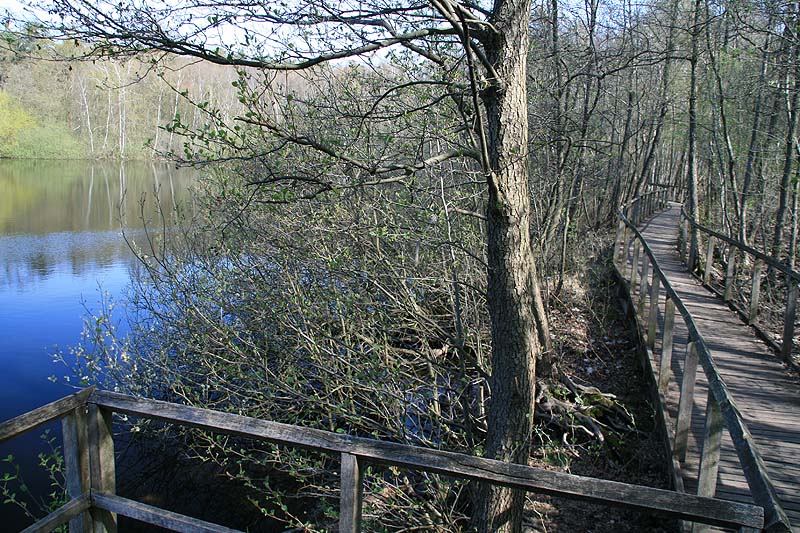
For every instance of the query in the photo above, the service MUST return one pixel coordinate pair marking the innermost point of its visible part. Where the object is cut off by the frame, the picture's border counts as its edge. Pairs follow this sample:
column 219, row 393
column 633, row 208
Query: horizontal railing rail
column 89, row 458
column 760, row 259
column 721, row 409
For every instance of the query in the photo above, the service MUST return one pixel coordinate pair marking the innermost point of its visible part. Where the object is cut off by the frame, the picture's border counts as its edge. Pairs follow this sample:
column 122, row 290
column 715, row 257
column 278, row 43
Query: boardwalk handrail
column 721, row 409
column 751, row 315
column 91, row 486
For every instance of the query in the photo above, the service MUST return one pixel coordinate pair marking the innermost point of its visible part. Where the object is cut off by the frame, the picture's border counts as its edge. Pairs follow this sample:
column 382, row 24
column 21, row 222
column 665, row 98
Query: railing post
column 76, row 463
column 634, row 265
column 652, row 322
column 709, row 260
column 101, row 460
column 643, row 283
column 666, row 346
column 623, row 260
column 709, row 458
column 755, row 291
column 684, row 421
column 730, row 272
column 351, row 494
column 692, row 259
column 618, row 243
column 684, row 238
column 788, row 319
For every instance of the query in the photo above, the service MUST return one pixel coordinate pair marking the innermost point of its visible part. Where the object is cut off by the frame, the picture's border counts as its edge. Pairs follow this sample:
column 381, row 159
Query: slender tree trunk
column 752, row 147
column 691, row 157
column 728, row 170
column 87, row 110
column 791, row 103
column 512, row 277
column 619, row 166
column 663, row 103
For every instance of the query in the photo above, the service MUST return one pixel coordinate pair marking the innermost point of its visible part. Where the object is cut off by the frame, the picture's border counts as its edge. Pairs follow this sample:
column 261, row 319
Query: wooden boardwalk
column 767, row 394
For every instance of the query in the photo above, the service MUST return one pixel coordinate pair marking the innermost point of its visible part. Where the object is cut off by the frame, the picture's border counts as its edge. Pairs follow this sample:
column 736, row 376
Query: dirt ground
column 596, row 345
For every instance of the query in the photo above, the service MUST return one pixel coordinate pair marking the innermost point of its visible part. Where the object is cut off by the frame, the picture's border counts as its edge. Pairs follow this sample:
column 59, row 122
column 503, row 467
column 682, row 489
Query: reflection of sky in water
column 28, row 261
column 44, row 284
column 60, row 248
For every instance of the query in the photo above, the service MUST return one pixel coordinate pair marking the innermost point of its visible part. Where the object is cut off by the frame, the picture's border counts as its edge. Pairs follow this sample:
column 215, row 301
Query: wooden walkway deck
column 767, row 393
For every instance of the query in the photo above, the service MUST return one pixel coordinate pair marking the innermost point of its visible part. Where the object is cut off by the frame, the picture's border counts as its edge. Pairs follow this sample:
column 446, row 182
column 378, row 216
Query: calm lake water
column 61, row 247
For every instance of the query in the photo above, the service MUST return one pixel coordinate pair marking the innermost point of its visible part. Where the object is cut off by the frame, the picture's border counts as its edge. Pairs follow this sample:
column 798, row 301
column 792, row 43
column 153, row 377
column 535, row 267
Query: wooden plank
column 730, row 273
column 350, row 496
column 712, row 442
column 635, row 265
column 155, row 516
column 667, row 340
column 652, row 322
column 38, row 417
column 755, row 291
column 752, row 464
column 709, row 261
column 788, row 320
column 60, row 516
column 686, row 402
column 619, row 251
column 757, row 254
column 101, row 461
column 643, row 285
column 668, row 503
column 76, row 463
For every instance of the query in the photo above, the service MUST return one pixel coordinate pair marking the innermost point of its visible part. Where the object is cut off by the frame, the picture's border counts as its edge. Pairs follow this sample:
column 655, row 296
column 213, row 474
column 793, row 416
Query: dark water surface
column 61, row 248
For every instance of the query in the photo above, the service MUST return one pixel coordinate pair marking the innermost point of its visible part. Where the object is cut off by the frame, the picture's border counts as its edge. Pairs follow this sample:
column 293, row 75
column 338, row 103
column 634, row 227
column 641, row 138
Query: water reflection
column 70, row 214
column 43, row 197
column 61, row 244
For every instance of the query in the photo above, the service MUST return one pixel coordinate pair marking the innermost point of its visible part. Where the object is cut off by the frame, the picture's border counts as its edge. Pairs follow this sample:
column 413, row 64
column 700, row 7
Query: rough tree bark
column 512, row 272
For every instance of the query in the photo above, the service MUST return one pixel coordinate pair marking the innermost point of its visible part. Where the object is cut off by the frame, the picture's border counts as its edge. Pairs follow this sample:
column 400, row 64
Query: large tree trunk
column 512, row 272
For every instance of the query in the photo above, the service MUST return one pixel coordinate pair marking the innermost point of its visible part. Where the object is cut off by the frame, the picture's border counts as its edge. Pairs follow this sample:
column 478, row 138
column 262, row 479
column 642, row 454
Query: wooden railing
column 759, row 260
column 643, row 282
column 94, row 506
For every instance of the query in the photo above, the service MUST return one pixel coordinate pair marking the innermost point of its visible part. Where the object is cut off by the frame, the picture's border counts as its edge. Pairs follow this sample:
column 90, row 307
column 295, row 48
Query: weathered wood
column 788, row 319
column 623, row 261
column 350, row 496
column 755, row 291
column 618, row 242
column 757, row 254
column 38, row 417
column 666, row 346
column 101, row 461
column 691, row 261
column 652, row 321
column 643, row 284
column 709, row 261
column 668, row 503
column 730, row 273
column 635, row 265
column 76, row 463
column 686, row 402
column 684, row 239
column 60, row 516
column 712, row 442
column 113, row 504
column 752, row 465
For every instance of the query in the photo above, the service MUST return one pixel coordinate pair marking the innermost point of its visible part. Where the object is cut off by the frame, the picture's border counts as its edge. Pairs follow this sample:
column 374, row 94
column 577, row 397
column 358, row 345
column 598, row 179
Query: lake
column 61, row 248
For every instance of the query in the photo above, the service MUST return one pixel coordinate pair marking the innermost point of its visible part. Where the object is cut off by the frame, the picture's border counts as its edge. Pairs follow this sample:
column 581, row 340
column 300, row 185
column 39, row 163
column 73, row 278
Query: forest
column 397, row 199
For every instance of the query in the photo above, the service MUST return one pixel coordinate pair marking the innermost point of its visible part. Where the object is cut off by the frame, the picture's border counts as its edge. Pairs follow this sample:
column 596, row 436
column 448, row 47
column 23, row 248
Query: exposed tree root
column 578, row 409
